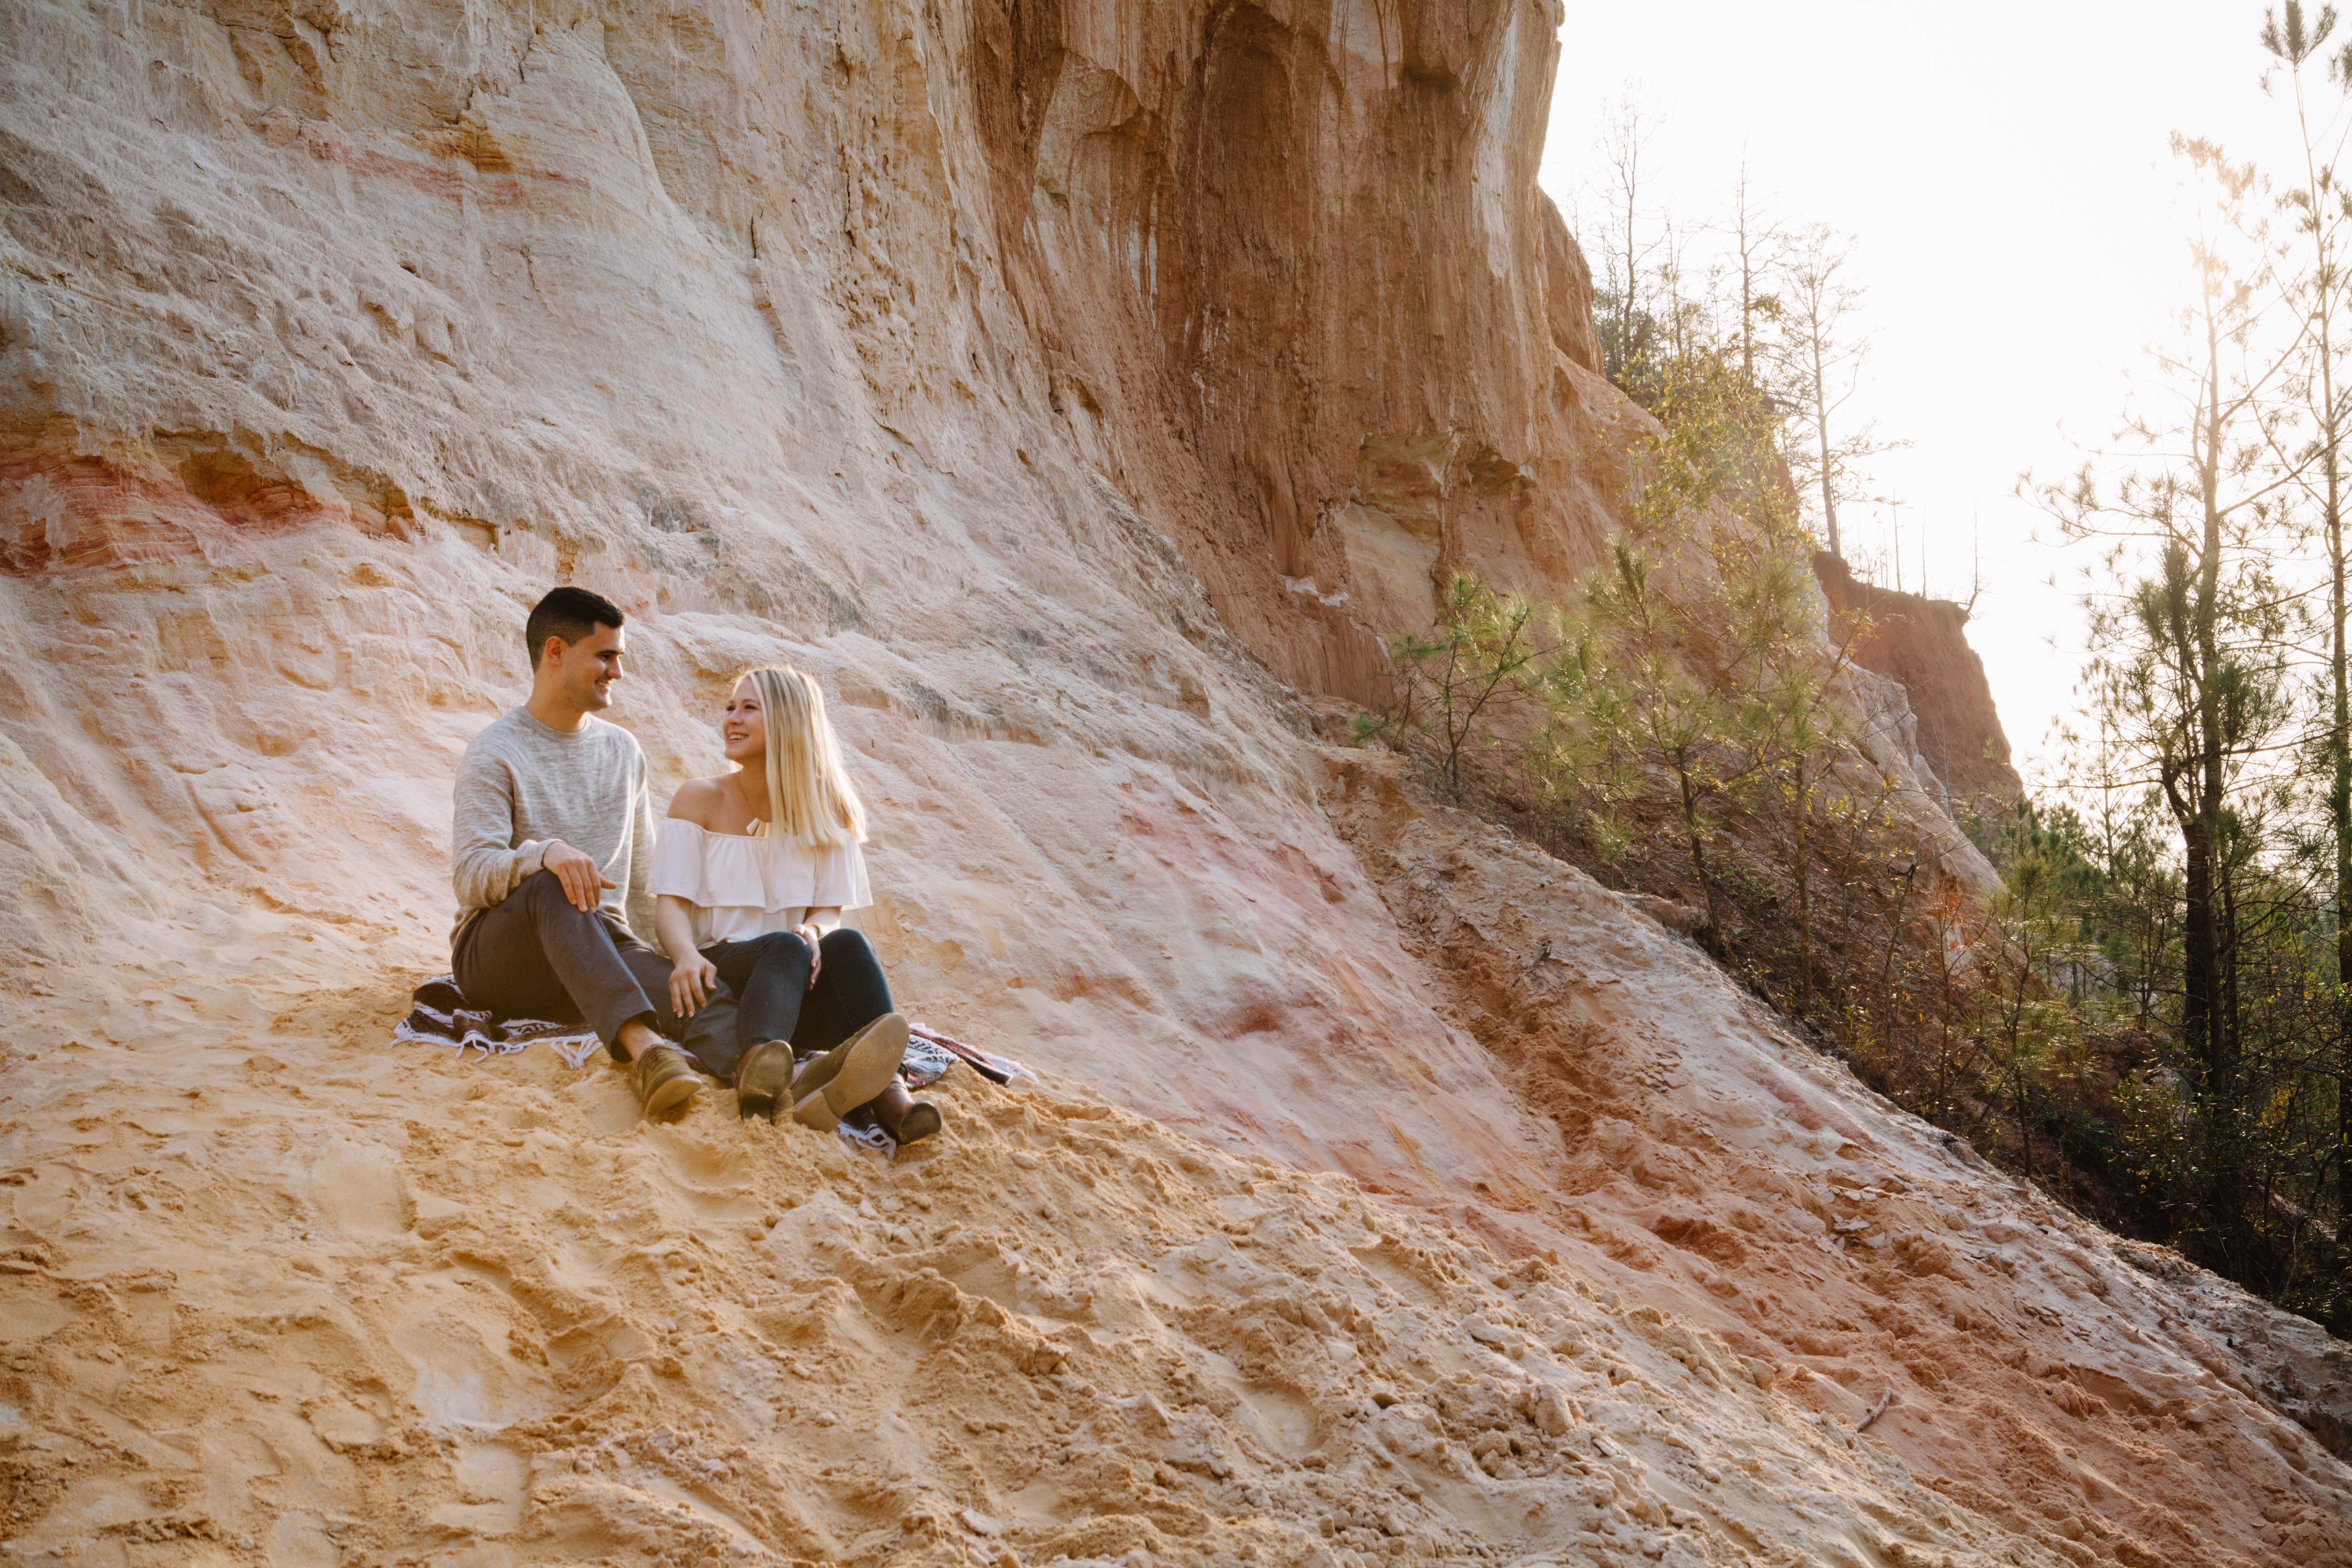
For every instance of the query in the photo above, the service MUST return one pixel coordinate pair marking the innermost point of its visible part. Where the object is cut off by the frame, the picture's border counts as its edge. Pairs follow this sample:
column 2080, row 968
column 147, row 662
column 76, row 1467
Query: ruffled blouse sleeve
column 837, row 878
column 681, row 863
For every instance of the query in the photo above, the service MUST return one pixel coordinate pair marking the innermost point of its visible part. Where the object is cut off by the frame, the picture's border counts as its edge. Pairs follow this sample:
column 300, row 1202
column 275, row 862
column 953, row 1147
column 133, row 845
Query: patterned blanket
column 439, row 1016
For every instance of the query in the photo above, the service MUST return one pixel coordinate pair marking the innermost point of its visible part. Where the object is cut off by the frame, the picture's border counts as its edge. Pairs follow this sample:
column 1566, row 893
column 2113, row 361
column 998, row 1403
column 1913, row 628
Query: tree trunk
column 2017, row 1085
column 2221, row 1041
column 1804, row 900
column 2340, row 742
column 1747, row 308
column 2200, row 951
column 1887, row 971
column 2319, row 192
column 2339, row 813
column 1625, row 313
column 2212, row 943
column 1821, row 433
column 1698, row 851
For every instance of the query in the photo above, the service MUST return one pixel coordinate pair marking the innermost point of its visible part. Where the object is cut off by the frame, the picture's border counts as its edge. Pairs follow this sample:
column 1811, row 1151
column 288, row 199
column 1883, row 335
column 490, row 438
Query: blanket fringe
column 404, row 1033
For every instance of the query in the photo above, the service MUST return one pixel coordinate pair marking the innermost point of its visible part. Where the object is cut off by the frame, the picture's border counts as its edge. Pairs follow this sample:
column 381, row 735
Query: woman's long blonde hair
column 810, row 796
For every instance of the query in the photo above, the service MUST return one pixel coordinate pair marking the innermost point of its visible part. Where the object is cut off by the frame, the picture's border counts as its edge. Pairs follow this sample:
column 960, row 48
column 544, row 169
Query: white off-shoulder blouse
column 742, row 886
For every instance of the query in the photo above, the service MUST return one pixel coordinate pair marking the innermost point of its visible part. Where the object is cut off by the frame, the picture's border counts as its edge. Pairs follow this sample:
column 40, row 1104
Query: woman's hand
column 690, row 983
column 814, row 936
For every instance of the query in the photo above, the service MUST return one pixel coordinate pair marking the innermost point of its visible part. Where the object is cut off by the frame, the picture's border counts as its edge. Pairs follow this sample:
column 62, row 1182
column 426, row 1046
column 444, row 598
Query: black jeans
column 535, row 956
column 769, row 974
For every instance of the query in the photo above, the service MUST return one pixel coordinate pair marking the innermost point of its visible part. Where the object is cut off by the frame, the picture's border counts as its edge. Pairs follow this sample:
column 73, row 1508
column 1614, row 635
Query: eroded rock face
column 1057, row 386
column 900, row 344
column 1918, row 643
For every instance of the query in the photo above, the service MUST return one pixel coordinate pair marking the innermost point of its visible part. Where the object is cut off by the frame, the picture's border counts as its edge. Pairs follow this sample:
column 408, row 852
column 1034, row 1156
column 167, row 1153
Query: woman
column 749, row 877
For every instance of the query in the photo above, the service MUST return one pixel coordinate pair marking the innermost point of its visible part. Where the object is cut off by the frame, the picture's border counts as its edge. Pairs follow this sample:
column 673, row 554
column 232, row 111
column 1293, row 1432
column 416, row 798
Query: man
column 552, row 841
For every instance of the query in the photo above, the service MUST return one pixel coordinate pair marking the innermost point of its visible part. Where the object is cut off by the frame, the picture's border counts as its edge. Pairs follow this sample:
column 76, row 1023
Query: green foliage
column 1695, row 657
column 2146, row 1014
column 1468, row 673
column 2202, row 879
column 2033, row 1031
column 1640, row 701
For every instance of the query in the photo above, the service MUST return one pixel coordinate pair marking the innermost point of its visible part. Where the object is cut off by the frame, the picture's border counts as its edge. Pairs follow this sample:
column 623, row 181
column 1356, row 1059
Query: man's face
column 585, row 672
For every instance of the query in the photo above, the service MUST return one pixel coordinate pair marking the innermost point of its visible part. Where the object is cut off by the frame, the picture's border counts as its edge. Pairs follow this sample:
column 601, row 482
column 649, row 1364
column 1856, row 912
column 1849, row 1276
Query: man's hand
column 690, row 984
column 583, row 884
column 814, row 937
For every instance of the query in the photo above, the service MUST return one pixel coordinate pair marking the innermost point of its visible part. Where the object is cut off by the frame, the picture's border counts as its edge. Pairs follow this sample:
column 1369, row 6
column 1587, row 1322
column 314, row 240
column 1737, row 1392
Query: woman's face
column 742, row 728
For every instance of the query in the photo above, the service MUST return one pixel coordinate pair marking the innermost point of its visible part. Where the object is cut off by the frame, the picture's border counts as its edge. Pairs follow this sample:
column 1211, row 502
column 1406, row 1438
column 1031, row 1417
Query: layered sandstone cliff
column 1920, row 645
column 1072, row 389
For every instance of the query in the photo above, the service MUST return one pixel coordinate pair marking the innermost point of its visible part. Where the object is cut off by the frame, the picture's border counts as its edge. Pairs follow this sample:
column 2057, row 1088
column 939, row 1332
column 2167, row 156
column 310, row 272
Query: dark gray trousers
column 535, row 956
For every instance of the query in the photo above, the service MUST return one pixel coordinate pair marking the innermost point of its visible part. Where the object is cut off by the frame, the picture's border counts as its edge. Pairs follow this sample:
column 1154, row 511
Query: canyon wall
column 802, row 335
column 1079, row 391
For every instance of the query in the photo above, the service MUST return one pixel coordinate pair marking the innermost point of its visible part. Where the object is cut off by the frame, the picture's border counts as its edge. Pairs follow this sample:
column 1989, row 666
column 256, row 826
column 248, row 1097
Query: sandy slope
column 384, row 1307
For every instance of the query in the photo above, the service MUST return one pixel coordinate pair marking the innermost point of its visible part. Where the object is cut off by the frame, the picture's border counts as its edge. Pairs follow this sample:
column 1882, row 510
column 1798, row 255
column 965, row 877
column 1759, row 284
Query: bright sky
column 2005, row 167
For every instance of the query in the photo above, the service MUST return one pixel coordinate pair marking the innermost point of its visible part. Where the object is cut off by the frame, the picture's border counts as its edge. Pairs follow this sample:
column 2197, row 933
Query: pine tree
column 1821, row 351
column 2319, row 208
column 2031, row 1024
column 1699, row 655
column 1757, row 242
column 1457, row 681
column 2189, row 658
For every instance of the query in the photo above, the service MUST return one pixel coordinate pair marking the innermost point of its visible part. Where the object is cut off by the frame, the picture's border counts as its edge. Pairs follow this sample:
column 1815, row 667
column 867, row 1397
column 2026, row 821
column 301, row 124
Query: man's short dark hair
column 570, row 613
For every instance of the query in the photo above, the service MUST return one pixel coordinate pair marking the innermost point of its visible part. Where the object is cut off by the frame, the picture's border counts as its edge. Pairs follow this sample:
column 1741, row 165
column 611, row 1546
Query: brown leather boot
column 850, row 1074
column 922, row 1118
column 764, row 1080
column 666, row 1081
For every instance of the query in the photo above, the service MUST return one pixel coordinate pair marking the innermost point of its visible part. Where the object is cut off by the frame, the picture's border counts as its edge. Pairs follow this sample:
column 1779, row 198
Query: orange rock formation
column 1072, row 390
column 1920, row 645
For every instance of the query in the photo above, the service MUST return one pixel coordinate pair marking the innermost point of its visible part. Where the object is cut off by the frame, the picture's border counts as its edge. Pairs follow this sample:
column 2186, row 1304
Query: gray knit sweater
column 524, row 785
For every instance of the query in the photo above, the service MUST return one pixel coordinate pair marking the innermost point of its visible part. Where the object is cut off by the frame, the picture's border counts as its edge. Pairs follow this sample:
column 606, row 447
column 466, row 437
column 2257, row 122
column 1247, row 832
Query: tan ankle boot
column 666, row 1082
column 850, row 1074
column 764, row 1080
